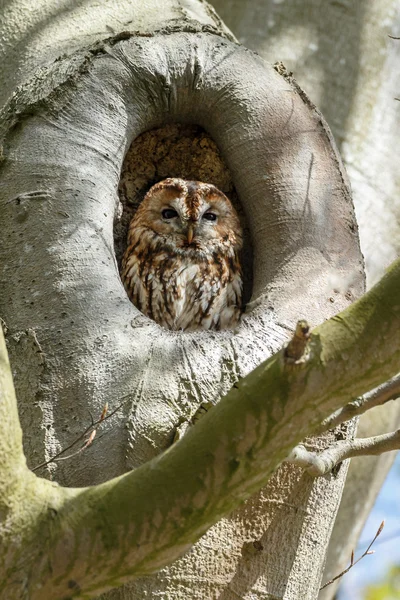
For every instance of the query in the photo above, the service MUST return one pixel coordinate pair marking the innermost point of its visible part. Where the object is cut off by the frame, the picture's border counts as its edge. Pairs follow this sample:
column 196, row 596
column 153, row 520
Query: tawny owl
column 181, row 266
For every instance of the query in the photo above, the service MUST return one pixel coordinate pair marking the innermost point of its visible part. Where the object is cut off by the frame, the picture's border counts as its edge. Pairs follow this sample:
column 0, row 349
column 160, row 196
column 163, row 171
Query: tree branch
column 91, row 429
column 323, row 462
column 147, row 518
column 390, row 390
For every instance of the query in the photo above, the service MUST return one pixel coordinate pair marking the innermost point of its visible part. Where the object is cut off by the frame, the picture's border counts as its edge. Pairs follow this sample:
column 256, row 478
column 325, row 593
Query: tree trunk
column 342, row 55
column 74, row 339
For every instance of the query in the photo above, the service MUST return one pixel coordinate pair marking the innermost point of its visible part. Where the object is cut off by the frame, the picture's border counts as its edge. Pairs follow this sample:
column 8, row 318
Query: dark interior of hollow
column 175, row 150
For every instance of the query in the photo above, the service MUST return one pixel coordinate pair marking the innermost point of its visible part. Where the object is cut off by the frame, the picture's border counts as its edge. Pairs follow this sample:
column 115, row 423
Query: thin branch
column 321, row 463
column 93, row 426
column 388, row 538
column 352, row 562
column 390, row 390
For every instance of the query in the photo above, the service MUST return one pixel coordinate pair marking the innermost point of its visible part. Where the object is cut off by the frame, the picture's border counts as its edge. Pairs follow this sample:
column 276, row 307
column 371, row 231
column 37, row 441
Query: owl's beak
column 190, row 234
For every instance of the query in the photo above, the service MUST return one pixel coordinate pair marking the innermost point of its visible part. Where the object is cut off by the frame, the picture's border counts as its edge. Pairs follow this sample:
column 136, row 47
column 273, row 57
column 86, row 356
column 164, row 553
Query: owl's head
column 191, row 216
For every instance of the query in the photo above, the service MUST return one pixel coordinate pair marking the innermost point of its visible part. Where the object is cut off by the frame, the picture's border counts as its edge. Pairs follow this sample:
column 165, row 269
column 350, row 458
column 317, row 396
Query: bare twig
column 390, row 390
column 92, row 428
column 352, row 562
column 388, row 538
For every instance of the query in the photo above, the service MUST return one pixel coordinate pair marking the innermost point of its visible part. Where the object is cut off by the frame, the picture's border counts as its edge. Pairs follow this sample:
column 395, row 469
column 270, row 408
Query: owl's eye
column 169, row 213
column 209, row 216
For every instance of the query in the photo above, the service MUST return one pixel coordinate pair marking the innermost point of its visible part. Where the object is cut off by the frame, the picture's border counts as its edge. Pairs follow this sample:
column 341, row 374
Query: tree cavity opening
column 176, row 150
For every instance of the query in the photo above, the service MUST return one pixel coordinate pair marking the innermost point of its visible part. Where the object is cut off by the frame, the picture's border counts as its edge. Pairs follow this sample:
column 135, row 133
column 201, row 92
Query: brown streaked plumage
column 181, row 266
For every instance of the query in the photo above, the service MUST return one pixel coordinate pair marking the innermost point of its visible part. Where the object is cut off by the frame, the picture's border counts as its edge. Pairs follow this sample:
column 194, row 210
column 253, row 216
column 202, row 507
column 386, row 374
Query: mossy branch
column 78, row 542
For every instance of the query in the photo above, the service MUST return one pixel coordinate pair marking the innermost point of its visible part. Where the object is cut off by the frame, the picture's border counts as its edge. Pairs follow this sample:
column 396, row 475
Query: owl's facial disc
column 199, row 230
column 191, row 216
column 191, row 223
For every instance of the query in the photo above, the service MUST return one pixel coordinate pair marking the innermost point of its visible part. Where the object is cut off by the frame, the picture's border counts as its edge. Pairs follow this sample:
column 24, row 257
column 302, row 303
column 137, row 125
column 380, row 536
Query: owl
column 181, row 265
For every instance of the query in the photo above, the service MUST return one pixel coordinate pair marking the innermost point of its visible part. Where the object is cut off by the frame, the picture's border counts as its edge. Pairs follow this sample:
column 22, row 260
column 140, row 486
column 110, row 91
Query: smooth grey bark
column 341, row 55
column 74, row 339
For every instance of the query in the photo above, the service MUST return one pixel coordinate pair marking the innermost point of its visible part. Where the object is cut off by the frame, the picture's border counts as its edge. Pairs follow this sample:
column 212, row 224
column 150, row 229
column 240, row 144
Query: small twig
column 388, row 538
column 390, row 390
column 93, row 426
column 60, row 458
column 85, row 445
column 393, row 37
column 352, row 562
